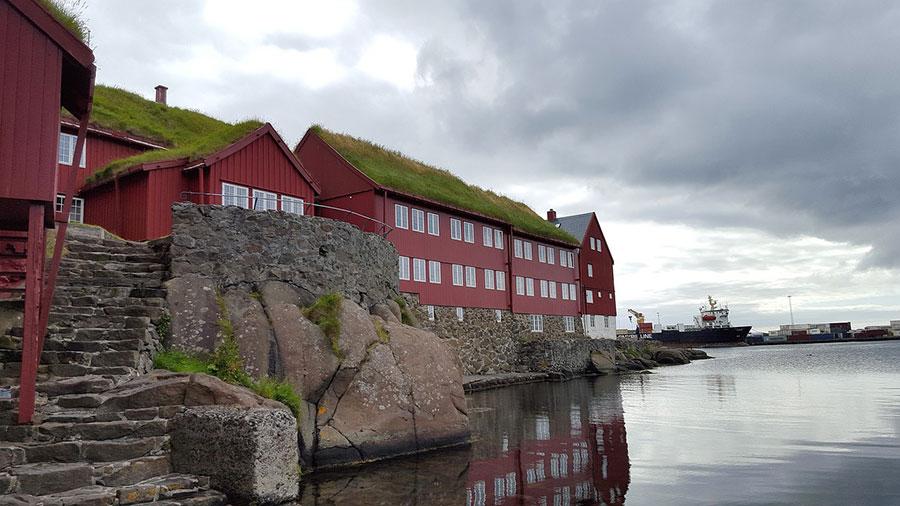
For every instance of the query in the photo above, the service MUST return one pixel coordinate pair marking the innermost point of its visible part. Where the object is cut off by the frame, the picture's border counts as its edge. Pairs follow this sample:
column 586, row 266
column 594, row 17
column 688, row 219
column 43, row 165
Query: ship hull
column 703, row 336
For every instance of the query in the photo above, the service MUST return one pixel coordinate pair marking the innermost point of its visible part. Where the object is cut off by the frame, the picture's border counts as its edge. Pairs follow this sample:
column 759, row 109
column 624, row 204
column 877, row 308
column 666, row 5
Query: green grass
column 326, row 314
column 394, row 170
column 281, row 391
column 383, row 336
column 179, row 361
column 68, row 18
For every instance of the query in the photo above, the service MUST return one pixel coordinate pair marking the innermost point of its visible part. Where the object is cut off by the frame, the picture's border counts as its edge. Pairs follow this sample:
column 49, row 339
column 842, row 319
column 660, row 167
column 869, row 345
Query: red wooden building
column 450, row 255
column 596, row 266
column 43, row 67
column 258, row 171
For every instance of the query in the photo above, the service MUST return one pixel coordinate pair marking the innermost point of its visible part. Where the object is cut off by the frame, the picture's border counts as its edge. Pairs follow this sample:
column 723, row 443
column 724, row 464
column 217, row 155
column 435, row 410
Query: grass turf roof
column 394, row 170
column 189, row 134
column 67, row 17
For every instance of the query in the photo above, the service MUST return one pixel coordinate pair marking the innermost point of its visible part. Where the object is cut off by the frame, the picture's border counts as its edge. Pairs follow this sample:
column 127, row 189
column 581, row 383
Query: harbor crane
column 638, row 316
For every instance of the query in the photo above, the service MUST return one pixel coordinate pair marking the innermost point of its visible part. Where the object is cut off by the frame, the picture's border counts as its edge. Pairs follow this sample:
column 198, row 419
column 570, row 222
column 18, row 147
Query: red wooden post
column 34, row 262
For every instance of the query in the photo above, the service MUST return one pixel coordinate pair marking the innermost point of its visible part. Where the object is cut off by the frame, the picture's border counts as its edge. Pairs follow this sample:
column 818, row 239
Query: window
column 590, row 271
column 401, row 216
column 599, row 244
column 499, row 315
column 599, row 294
column 234, row 195
column 517, row 248
column 264, row 201
column 434, row 224
column 418, row 220
column 537, row 323
column 489, row 279
column 76, row 212
column 404, row 268
column 430, row 312
column 606, row 321
column 589, row 296
column 562, row 258
column 571, row 259
column 527, row 247
column 434, row 272
column 459, row 314
column 544, row 290
column 570, row 323
column 542, row 253
column 67, row 149
column 455, row 229
column 457, row 275
column 291, row 205
column 418, row 269
column 520, row 285
column 487, row 234
column 553, row 289
column 572, row 292
column 550, row 256
column 469, row 232
column 593, row 323
column 610, row 295
column 498, row 239
column 565, row 291
column 470, row 277
column 529, row 287
column 593, row 243
column 501, row 280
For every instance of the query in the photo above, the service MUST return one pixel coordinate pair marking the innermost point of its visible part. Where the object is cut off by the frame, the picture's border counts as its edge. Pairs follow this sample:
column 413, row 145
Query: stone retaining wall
column 563, row 355
column 234, row 246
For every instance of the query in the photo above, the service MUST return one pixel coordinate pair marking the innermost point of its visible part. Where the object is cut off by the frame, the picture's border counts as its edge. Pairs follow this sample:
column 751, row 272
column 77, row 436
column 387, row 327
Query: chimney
column 551, row 215
column 161, row 94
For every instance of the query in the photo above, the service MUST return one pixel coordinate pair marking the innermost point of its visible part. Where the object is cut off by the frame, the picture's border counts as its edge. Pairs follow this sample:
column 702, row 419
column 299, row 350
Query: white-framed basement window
column 459, row 314
column 234, row 195
column 264, row 201
column 292, row 205
column 67, row 149
column 570, row 323
column 430, row 312
column 76, row 212
column 537, row 323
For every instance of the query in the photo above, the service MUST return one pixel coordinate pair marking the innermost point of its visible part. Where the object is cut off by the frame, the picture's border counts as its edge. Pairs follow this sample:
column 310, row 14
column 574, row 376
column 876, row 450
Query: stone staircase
column 102, row 333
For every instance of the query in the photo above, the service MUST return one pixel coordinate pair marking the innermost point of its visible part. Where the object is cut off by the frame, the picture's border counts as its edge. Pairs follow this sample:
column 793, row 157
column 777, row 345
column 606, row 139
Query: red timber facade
column 450, row 256
column 257, row 171
column 43, row 67
column 596, row 267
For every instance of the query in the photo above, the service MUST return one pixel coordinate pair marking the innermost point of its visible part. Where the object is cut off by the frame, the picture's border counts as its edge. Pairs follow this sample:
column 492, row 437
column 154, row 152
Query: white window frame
column 292, row 205
column 66, row 153
column 520, row 285
column 76, row 212
column 589, row 296
column 404, row 268
column 570, row 323
column 457, row 275
column 263, row 200
column 500, row 281
column 610, row 296
column 537, row 323
column 489, row 279
column 401, row 216
column 565, row 291
column 434, row 224
column 590, row 270
column 593, row 243
column 552, row 289
column 460, row 315
column 469, row 232
column 455, row 229
column 418, row 220
column 599, row 294
column 599, row 245
column 571, row 259
column 498, row 238
column 593, row 322
column 572, row 292
column 419, row 270
column 526, row 247
column 471, row 282
column 434, row 272
column 551, row 256
column 498, row 315
column 544, row 290
column 430, row 310
column 606, row 321
column 517, row 248
column 562, row 258
column 529, row 287
column 542, row 253
column 487, row 236
column 233, row 195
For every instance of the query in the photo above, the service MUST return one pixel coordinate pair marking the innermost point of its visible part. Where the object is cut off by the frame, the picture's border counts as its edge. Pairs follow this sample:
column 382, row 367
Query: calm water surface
column 775, row 425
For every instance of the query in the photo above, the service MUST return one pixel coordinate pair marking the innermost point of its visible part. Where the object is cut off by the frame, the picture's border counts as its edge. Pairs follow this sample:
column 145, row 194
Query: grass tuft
column 281, row 391
column 68, row 17
column 326, row 314
column 179, row 361
column 383, row 336
column 393, row 169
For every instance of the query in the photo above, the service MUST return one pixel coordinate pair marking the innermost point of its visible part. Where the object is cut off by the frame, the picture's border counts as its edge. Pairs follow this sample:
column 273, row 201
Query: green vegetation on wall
column 326, row 314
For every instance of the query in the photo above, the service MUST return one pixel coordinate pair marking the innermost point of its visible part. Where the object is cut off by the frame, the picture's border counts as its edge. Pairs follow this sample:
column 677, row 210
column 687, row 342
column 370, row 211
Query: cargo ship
column 710, row 327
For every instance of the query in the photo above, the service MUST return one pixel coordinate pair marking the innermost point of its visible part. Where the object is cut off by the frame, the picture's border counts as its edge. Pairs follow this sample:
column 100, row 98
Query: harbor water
column 771, row 425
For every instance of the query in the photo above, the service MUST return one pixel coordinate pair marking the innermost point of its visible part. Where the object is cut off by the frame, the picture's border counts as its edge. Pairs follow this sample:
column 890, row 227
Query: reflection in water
column 570, row 448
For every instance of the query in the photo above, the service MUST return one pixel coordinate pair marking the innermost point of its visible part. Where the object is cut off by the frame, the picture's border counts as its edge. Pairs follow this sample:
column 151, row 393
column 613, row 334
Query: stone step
column 119, row 282
column 93, row 274
column 60, row 345
column 61, row 371
column 107, row 256
column 102, row 431
column 46, row 478
column 126, row 448
column 111, row 266
column 66, row 324
column 109, row 291
column 96, row 301
column 107, row 246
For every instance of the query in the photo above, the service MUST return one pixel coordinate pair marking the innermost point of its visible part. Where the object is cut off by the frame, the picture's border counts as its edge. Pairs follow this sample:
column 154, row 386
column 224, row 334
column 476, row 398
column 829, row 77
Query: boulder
column 304, row 353
column 395, row 308
column 251, row 330
column 385, row 313
column 280, row 292
column 603, row 362
column 193, row 313
column 669, row 356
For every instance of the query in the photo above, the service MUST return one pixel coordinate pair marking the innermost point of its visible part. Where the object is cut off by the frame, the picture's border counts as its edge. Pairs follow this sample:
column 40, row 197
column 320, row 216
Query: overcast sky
column 744, row 149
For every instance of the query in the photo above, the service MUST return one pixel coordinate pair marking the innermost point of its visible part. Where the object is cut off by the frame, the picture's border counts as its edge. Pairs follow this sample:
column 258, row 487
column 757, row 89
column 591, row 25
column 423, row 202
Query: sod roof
column 394, row 170
column 67, row 17
column 188, row 134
